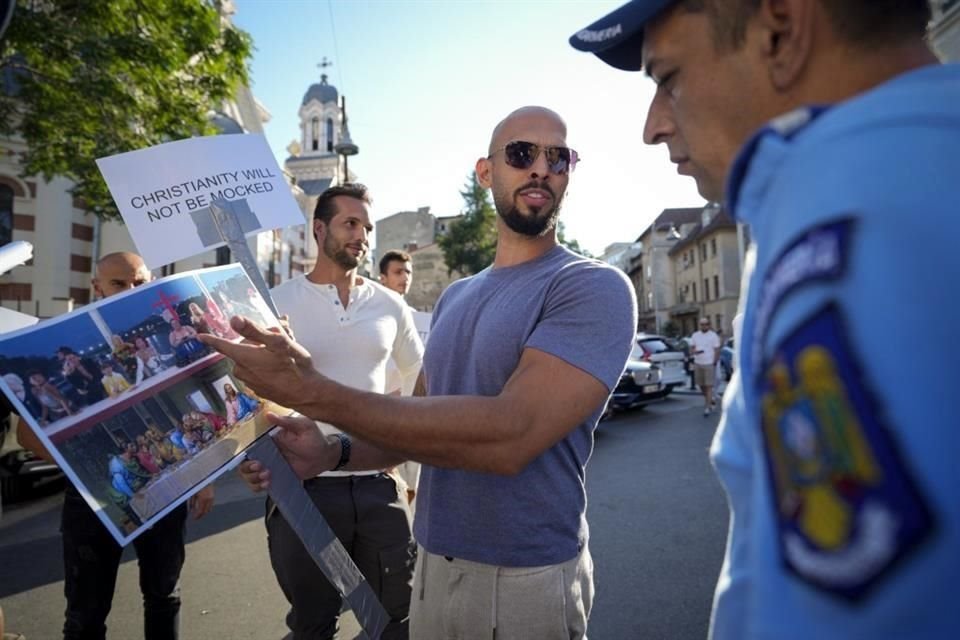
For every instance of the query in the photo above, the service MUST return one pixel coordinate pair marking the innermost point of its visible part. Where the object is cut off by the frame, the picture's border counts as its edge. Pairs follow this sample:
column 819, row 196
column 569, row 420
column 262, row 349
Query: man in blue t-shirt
column 521, row 360
column 837, row 451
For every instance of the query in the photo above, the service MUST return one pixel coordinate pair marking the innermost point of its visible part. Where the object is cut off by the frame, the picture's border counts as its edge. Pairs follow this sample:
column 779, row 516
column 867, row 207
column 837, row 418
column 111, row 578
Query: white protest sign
column 422, row 320
column 164, row 193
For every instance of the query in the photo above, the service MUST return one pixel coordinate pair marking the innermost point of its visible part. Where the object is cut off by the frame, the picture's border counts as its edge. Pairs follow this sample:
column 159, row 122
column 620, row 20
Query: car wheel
column 12, row 488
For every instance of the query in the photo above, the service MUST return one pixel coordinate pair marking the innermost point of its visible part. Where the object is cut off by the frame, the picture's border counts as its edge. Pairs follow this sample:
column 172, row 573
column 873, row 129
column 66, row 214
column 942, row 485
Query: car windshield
column 655, row 345
column 637, row 353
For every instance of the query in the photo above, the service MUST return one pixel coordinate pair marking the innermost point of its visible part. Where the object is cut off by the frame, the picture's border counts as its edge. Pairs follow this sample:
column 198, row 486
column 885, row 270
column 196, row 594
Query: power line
column 336, row 49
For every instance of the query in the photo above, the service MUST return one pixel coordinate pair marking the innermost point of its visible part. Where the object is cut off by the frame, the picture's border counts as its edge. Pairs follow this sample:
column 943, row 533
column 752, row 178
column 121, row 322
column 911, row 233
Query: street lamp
column 345, row 146
column 672, row 236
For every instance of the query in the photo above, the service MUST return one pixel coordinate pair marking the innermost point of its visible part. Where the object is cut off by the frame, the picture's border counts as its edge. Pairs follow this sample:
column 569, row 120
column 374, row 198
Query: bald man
column 91, row 557
column 118, row 272
column 521, row 360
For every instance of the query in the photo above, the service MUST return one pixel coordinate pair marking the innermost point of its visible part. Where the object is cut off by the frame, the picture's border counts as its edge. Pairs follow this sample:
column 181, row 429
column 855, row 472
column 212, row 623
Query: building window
column 223, row 255
column 719, row 325
column 315, row 134
column 703, row 253
column 713, row 246
column 329, row 135
column 16, row 291
column 694, row 285
column 6, row 214
column 716, row 286
column 693, row 257
column 706, row 289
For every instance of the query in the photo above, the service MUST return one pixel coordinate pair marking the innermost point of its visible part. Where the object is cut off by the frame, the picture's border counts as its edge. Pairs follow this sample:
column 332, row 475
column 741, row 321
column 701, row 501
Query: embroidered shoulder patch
column 819, row 254
column 847, row 509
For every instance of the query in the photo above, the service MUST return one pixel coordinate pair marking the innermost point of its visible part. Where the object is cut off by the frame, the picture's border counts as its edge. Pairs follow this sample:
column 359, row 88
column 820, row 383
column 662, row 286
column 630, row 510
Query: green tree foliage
column 108, row 76
column 471, row 241
column 570, row 243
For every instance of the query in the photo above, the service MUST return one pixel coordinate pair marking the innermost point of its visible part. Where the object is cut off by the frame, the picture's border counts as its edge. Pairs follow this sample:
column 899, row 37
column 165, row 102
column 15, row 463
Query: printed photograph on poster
column 136, row 410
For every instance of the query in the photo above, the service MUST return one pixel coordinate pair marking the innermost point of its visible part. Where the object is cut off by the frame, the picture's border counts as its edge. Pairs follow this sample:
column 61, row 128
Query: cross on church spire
column 323, row 66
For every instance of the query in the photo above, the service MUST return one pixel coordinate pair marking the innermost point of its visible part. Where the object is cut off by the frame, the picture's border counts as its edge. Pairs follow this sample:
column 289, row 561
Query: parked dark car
column 640, row 384
column 21, row 472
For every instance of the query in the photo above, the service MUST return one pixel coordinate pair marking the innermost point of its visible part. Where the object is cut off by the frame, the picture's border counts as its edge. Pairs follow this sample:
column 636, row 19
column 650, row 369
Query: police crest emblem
column 846, row 507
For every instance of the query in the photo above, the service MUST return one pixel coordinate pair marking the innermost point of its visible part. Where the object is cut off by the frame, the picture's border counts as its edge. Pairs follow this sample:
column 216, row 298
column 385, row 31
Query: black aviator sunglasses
column 520, row 154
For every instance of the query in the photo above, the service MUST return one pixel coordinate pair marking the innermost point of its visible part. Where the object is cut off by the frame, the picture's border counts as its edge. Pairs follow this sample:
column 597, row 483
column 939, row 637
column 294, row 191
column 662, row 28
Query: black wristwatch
column 345, row 444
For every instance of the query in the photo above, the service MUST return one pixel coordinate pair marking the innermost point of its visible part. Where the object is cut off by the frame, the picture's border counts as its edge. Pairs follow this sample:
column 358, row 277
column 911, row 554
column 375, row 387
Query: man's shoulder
column 577, row 270
column 850, row 148
column 386, row 296
column 288, row 288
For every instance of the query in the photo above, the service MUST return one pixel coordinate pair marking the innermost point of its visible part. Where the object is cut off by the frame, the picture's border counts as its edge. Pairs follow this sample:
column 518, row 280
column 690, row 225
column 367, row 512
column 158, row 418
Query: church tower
column 313, row 160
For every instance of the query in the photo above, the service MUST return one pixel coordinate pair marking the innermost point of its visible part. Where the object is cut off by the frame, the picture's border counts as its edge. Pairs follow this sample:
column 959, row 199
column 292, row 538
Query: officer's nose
column 659, row 125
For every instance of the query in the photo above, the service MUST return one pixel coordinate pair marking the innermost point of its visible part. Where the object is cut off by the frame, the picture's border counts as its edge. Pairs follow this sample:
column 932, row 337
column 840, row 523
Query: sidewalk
column 687, row 391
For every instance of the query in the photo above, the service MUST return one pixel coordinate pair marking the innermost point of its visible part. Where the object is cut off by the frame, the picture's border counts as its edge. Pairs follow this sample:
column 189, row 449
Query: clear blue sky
column 427, row 81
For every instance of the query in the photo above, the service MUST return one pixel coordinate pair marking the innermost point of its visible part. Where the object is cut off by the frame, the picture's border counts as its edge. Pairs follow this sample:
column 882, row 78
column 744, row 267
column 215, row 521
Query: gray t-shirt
column 574, row 308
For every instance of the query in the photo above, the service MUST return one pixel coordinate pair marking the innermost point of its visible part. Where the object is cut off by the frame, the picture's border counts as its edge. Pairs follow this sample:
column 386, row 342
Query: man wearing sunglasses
column 521, row 360
column 845, row 519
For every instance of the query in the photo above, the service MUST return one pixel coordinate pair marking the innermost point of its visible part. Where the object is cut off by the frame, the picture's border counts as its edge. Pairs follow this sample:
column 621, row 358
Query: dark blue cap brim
column 617, row 38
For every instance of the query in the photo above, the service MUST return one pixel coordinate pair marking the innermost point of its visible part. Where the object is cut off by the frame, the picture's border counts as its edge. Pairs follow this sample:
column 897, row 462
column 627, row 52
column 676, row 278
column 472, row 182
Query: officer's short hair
column 859, row 22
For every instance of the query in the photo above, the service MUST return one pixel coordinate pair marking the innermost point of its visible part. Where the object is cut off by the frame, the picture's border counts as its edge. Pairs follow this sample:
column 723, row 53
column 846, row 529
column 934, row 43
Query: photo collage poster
column 135, row 409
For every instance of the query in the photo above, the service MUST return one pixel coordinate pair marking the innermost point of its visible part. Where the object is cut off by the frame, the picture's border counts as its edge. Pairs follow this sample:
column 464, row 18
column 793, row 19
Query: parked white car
column 660, row 351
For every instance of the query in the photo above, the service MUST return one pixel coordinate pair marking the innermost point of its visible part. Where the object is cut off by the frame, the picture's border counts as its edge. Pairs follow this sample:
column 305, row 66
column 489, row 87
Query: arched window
column 6, row 214
column 315, row 134
column 329, row 135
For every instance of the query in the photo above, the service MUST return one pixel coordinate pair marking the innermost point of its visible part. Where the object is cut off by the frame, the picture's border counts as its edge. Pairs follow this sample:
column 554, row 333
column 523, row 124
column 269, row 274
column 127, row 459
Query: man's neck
column 516, row 248
column 328, row 272
column 862, row 70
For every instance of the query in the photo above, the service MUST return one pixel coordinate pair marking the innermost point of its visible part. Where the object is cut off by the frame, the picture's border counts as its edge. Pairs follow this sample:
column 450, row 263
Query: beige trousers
column 461, row 600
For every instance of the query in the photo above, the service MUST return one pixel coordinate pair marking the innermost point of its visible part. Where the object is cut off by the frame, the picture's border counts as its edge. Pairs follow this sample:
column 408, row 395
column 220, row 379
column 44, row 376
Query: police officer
column 831, row 129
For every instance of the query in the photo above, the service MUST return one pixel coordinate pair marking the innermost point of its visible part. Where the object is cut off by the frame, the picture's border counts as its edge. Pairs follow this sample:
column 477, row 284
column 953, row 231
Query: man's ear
column 787, row 28
column 484, row 168
column 96, row 288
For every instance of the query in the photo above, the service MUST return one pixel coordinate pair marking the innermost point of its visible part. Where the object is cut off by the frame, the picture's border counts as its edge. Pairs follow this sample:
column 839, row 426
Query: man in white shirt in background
column 705, row 346
column 396, row 274
column 396, row 271
column 352, row 327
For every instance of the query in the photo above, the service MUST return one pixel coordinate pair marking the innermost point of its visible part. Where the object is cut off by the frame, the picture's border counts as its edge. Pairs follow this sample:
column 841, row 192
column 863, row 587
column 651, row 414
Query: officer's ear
column 786, row 34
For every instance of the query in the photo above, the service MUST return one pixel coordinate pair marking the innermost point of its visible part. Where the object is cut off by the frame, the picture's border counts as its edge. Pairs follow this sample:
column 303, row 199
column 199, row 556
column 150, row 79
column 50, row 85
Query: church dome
column 321, row 91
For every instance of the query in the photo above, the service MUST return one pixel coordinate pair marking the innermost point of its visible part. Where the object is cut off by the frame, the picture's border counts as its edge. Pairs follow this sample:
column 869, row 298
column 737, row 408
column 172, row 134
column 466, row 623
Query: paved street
column 658, row 523
column 657, row 517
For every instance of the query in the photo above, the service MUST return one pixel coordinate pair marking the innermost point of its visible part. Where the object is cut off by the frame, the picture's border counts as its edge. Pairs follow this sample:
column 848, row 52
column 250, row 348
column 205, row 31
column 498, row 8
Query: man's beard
column 537, row 223
column 339, row 254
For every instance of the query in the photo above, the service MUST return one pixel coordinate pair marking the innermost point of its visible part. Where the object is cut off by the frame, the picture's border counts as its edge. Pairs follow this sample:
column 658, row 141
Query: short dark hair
column 859, row 22
column 326, row 210
column 390, row 256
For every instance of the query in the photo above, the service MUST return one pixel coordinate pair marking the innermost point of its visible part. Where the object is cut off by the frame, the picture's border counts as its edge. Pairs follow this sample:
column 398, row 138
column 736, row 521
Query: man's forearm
column 367, row 457
column 417, row 428
column 29, row 441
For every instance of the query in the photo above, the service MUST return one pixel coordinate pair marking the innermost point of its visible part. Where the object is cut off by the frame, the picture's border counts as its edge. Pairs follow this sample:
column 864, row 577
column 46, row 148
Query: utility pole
column 345, row 147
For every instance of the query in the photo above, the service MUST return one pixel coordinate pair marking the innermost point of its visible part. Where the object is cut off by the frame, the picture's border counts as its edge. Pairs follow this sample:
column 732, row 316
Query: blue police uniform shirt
column 838, row 447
